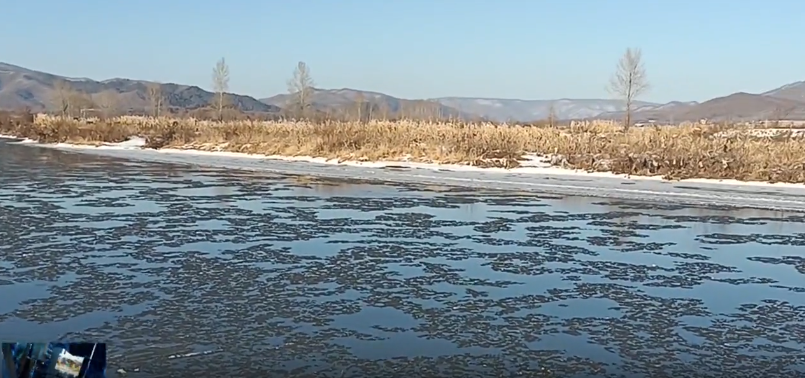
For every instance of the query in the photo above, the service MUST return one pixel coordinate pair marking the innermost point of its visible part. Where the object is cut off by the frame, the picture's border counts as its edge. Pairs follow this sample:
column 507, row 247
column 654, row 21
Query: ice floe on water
column 535, row 174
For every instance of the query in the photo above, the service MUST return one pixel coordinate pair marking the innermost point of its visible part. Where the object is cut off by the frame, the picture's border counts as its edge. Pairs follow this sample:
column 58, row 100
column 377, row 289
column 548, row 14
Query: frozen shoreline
column 536, row 175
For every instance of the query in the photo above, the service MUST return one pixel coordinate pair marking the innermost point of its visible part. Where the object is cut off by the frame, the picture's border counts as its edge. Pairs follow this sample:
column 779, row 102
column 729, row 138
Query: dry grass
column 690, row 151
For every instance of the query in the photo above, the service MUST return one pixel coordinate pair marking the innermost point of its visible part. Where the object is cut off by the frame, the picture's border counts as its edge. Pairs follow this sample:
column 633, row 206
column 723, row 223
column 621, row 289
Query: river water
column 273, row 275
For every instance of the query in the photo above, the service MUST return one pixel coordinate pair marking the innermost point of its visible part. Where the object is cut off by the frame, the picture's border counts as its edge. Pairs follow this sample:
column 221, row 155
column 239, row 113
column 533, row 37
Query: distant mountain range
column 345, row 99
column 22, row 87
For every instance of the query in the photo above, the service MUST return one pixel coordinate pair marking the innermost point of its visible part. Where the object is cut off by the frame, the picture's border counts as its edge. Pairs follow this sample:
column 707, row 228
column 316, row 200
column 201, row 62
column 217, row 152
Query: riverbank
column 537, row 179
column 671, row 153
column 537, row 165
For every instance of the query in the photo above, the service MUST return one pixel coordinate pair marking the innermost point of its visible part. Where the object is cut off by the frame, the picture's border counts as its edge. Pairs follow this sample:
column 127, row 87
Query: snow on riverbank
column 535, row 174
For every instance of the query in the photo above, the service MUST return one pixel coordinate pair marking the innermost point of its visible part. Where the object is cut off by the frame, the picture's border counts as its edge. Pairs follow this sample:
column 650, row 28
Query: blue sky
column 529, row 49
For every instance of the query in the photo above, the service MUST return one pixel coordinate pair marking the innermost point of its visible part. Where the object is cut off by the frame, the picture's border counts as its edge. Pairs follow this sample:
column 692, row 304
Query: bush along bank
column 682, row 152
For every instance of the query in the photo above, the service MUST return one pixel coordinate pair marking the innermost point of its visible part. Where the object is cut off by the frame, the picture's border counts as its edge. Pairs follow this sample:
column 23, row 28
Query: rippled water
column 291, row 275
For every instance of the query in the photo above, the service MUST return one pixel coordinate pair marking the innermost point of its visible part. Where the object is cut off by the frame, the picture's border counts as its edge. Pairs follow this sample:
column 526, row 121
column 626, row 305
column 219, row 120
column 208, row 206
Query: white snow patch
column 488, row 103
column 132, row 143
column 77, row 79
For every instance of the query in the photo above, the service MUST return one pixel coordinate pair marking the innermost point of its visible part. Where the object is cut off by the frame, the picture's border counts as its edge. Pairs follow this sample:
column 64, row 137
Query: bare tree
column 370, row 110
column 63, row 96
column 384, row 110
column 359, row 104
column 81, row 103
column 552, row 116
column 301, row 89
column 71, row 102
column 155, row 98
column 220, row 84
column 416, row 110
column 629, row 81
column 106, row 102
column 433, row 110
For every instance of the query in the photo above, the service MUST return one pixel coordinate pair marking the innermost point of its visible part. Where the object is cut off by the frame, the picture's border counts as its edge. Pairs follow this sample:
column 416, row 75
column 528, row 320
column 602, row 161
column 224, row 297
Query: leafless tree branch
column 63, row 96
column 220, row 84
column 300, row 87
column 552, row 115
column 155, row 98
column 106, row 102
column 629, row 81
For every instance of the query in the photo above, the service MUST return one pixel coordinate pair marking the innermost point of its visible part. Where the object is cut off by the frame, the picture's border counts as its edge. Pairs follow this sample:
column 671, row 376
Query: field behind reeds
column 679, row 152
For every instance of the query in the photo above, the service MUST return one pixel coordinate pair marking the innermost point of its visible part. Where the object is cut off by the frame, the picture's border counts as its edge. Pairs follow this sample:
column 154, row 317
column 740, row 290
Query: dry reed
column 690, row 151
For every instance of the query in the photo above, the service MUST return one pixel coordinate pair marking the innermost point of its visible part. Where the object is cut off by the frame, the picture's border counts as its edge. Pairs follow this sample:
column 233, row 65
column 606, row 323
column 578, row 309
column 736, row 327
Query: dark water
column 267, row 275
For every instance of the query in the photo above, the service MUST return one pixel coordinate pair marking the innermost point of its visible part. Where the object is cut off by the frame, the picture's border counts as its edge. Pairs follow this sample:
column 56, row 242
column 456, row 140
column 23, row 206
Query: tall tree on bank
column 70, row 101
column 629, row 81
column 220, row 84
column 63, row 97
column 300, row 87
column 155, row 98
column 107, row 103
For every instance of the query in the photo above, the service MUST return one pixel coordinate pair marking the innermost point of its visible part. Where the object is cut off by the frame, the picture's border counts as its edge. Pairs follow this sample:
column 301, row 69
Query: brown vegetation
column 681, row 152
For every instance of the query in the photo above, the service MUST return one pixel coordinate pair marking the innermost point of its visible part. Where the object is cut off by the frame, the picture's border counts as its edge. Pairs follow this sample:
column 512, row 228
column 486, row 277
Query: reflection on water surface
column 268, row 273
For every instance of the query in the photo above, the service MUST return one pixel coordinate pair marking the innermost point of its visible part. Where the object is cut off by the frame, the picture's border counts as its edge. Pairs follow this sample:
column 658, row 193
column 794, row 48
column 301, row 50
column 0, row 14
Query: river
column 184, row 269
